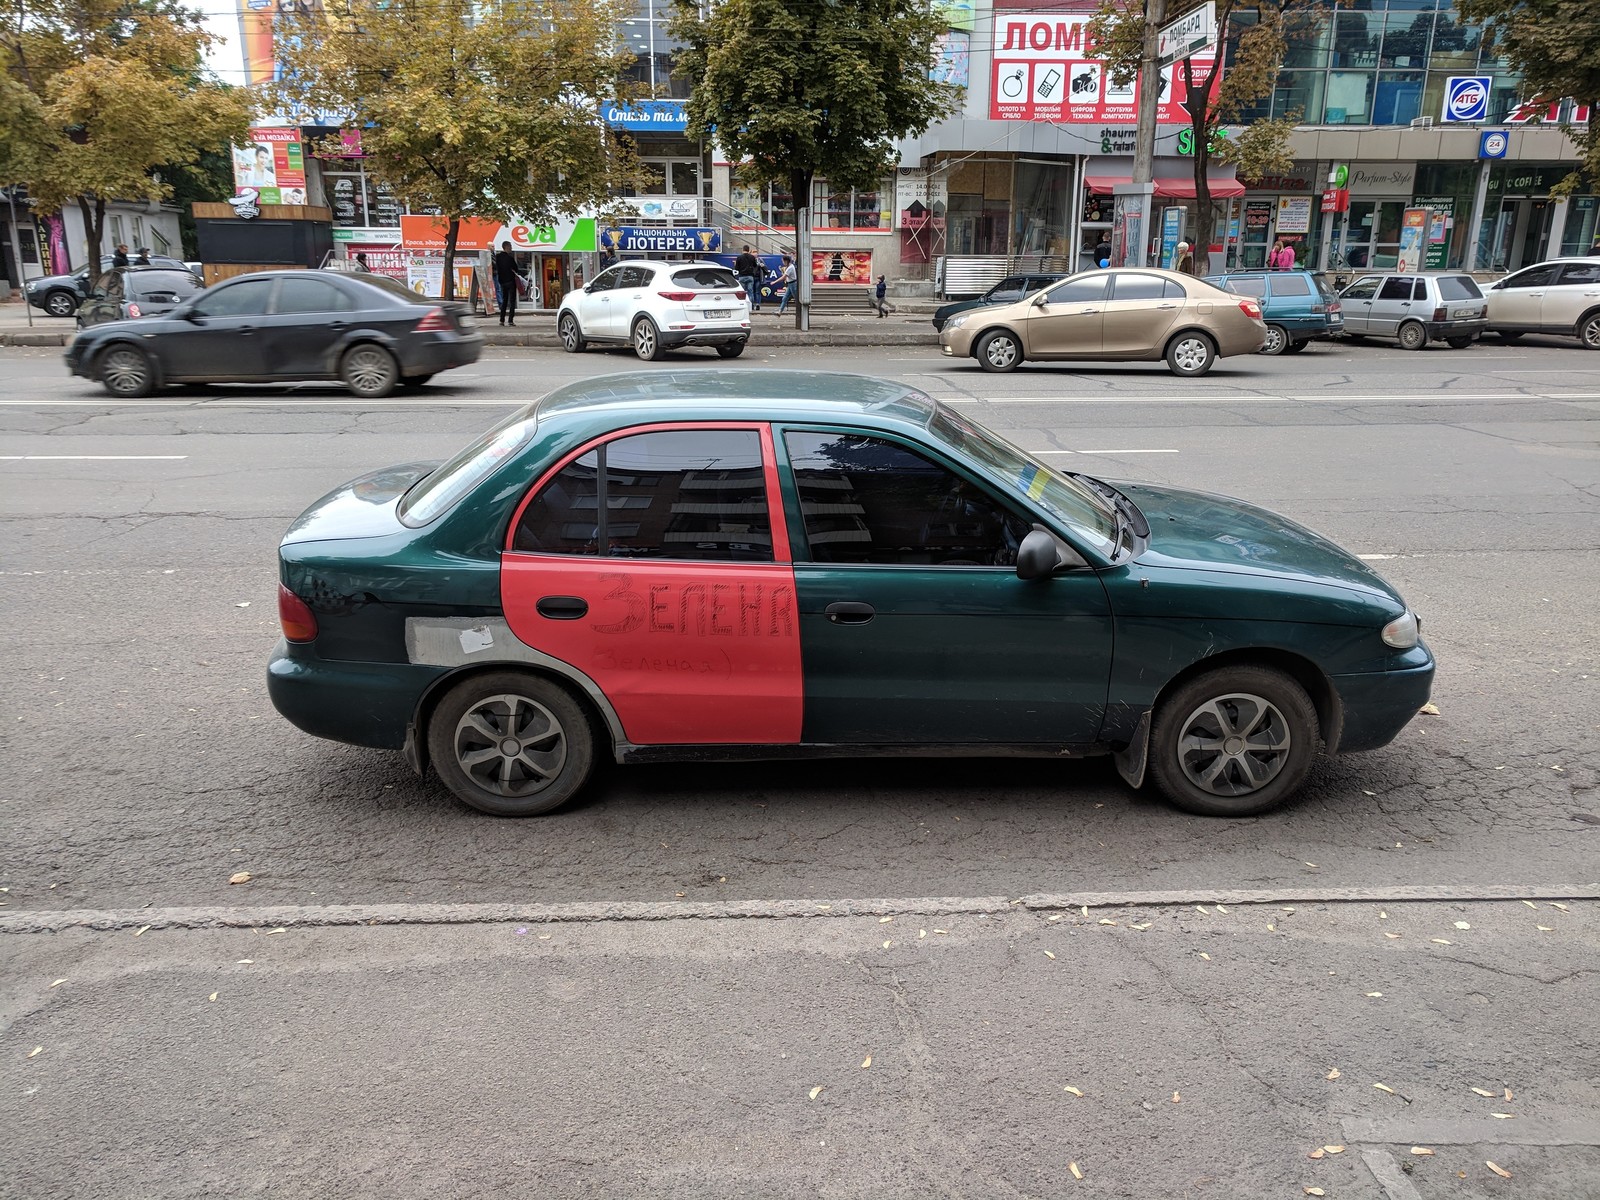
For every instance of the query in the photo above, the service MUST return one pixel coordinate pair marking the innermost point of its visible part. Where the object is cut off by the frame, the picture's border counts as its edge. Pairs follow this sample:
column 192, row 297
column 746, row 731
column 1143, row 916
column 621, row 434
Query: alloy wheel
column 1277, row 340
column 1589, row 333
column 125, row 372
column 1234, row 745
column 60, row 304
column 510, row 745
column 644, row 340
column 370, row 371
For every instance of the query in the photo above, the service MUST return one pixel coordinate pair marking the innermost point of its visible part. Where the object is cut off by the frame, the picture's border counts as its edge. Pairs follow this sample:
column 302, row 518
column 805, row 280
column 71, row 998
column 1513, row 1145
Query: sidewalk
column 538, row 329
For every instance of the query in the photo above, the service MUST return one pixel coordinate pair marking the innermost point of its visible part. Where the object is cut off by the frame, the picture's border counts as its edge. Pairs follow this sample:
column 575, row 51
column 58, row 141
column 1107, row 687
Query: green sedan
column 699, row 566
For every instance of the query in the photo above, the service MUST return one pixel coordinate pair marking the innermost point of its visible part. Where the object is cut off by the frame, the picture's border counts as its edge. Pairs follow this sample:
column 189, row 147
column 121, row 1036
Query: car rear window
column 179, row 283
column 1323, row 288
column 394, row 287
column 440, row 490
column 704, row 277
column 1459, row 287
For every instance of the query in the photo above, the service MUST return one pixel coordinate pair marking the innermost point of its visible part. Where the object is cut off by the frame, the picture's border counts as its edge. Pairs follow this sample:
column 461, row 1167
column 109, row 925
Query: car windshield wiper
column 1124, row 507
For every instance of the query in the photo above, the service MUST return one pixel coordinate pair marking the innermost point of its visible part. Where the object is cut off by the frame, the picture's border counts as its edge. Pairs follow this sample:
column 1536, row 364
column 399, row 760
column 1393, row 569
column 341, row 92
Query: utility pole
column 1135, row 201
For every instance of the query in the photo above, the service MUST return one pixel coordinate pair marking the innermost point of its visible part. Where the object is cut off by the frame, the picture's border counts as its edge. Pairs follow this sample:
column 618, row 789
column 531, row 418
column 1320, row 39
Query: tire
column 1458, row 343
column 731, row 350
column 61, row 304
column 1412, row 336
column 1508, row 335
column 369, row 371
column 126, row 372
column 413, row 382
column 479, row 719
column 1191, row 355
column 572, row 339
column 1589, row 331
column 1277, row 340
column 1000, row 351
column 646, row 340
column 1296, row 347
column 1279, row 740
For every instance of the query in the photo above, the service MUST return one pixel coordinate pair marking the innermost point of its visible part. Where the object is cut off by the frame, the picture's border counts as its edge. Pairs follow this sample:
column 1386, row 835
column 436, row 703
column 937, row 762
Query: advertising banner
column 668, row 116
column 425, row 275
column 1045, row 69
column 1413, row 239
column 841, row 266
column 1441, row 220
column 920, row 198
column 383, row 259
column 428, row 233
column 1257, row 216
column 272, row 165
column 1294, row 214
column 642, row 238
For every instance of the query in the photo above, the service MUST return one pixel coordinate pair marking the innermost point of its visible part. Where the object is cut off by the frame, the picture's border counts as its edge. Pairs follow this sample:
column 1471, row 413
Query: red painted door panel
column 687, row 652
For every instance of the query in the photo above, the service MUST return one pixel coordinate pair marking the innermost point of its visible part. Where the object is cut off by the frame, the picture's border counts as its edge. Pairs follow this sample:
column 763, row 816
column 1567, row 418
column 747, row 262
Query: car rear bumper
column 1460, row 327
column 1378, row 706
column 440, row 354
column 360, row 703
column 703, row 337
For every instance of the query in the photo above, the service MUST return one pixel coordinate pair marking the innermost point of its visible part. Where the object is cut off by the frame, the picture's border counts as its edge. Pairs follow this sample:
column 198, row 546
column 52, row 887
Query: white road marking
column 88, row 457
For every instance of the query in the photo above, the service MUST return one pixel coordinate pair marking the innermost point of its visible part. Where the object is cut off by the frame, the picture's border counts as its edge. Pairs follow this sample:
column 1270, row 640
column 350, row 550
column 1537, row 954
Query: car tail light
column 133, row 311
column 298, row 621
column 437, row 321
column 1250, row 309
column 1319, row 308
column 1439, row 314
column 1335, row 307
column 738, row 294
column 680, row 297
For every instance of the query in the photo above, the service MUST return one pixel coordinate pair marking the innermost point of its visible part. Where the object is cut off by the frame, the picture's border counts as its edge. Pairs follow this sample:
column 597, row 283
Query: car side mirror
column 1495, row 287
column 1042, row 554
column 193, row 317
column 1042, row 301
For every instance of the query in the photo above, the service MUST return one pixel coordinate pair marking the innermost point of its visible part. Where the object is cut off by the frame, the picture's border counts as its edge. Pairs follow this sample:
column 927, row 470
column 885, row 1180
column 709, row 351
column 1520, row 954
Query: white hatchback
column 658, row 306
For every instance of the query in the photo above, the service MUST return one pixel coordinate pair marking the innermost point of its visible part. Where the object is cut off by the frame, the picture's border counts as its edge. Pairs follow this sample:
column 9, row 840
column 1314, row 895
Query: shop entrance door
column 1520, row 235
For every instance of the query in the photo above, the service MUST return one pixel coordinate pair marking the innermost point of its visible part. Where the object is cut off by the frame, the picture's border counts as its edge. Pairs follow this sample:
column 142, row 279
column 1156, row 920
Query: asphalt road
column 143, row 766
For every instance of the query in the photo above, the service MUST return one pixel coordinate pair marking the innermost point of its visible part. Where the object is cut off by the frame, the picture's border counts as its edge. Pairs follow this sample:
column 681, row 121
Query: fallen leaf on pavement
column 240, row 877
column 58, row 982
column 1462, row 925
column 1498, row 1170
column 1333, row 1074
column 1374, row 995
column 280, row 929
column 1272, row 928
column 1334, row 1149
column 1482, row 1092
column 1107, row 921
column 1047, row 954
column 1076, row 1173
column 1384, row 1087
column 884, row 920
column 1073, row 1090
column 244, row 962
column 1383, row 916
column 1177, row 1099
column 1084, row 909
column 941, row 931
column 1544, row 929
column 816, row 1091
column 213, row 997
column 1312, row 865
column 889, row 943
column 35, row 1050
column 1508, row 1093
column 1503, row 1116
column 140, row 930
column 1220, row 909
column 1142, row 927
column 242, row 604
column 1057, row 917
column 1431, row 709
column 1530, row 904
column 1317, row 1153
column 866, row 1062
column 1311, row 1191
column 1561, row 906
column 1201, row 909
column 922, row 933
column 1422, row 1150
column 1391, row 935
column 1441, row 941
column 1205, row 956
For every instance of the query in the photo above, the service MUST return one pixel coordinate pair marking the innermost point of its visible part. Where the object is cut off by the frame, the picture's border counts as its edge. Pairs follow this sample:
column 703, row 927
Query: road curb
column 543, row 340
column 34, row 339
column 330, row 915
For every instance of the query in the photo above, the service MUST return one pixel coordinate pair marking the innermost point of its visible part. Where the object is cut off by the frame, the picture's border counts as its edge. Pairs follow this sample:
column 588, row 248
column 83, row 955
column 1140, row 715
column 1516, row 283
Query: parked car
column 1415, row 309
column 1012, row 287
column 284, row 326
column 60, row 295
column 1112, row 316
column 134, row 292
column 657, row 306
column 697, row 566
column 1298, row 306
column 1561, row 297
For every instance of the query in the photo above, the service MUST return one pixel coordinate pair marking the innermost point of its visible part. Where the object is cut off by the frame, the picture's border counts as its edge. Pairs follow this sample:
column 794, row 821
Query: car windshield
column 1458, row 287
column 1088, row 514
column 438, row 491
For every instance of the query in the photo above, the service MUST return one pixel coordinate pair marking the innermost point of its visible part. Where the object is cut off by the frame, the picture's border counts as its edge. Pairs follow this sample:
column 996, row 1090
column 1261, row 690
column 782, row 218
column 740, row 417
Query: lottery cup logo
column 1467, row 100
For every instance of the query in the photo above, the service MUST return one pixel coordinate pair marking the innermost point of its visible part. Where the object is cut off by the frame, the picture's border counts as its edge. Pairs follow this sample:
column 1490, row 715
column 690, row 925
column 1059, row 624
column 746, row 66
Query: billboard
column 428, row 233
column 256, row 19
column 272, row 165
column 1045, row 69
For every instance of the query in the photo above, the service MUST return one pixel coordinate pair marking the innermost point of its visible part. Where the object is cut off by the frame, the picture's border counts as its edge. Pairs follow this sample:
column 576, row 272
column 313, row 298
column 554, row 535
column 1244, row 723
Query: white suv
column 1554, row 297
column 656, row 306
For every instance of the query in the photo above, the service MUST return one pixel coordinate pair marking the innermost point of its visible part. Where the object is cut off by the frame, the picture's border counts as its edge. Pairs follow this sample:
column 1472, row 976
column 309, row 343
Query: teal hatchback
column 694, row 566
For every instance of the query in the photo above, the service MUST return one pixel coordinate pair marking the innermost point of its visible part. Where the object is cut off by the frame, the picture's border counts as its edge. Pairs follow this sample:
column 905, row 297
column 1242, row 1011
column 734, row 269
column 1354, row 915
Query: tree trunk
column 800, row 193
column 451, row 233
column 1200, row 132
column 94, row 229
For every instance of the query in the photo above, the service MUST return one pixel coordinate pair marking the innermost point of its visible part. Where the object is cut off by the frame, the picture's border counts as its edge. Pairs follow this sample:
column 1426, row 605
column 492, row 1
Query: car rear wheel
column 1412, row 336
column 731, row 350
column 1191, row 354
column 1296, row 347
column 510, row 744
column 1277, row 340
column 1458, row 343
column 1589, row 331
column 413, row 382
column 572, row 340
column 370, row 371
column 61, row 304
column 126, row 371
column 646, row 340
column 1233, row 742
column 1000, row 351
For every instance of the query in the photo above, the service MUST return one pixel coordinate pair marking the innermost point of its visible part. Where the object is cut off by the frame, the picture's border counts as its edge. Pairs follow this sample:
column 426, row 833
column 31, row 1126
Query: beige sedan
column 1112, row 316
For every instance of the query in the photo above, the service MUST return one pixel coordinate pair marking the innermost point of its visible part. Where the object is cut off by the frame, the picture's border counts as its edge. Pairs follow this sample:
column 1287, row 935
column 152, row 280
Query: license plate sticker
column 1465, row 312
column 717, row 314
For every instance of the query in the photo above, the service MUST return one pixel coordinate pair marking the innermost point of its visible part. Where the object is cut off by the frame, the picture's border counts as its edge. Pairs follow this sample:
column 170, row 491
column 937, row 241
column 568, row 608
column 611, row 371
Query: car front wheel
column 730, row 350
column 572, row 340
column 1589, row 331
column 1191, row 354
column 370, row 371
column 1233, row 742
column 646, row 339
column 1413, row 336
column 1458, row 343
column 1277, row 340
column 126, row 372
column 61, row 304
column 1000, row 351
column 510, row 744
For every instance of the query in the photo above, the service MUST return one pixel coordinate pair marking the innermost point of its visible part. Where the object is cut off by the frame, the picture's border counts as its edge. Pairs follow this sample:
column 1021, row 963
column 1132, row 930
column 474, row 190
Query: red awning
column 1221, row 189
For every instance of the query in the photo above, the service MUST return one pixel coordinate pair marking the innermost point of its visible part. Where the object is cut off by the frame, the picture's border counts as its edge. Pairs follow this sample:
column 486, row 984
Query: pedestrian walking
column 507, row 283
column 748, row 268
column 878, row 297
column 1102, row 253
column 361, row 261
column 791, row 285
column 144, row 257
column 120, row 258
column 1183, row 260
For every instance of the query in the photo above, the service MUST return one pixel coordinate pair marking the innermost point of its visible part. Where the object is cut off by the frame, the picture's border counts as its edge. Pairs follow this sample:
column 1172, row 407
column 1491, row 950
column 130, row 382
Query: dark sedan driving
column 367, row 331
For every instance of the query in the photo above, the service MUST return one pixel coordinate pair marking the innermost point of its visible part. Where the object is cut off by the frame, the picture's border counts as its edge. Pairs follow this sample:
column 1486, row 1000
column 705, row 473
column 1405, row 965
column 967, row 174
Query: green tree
column 97, row 96
column 1253, row 36
column 479, row 108
column 801, row 88
column 1555, row 46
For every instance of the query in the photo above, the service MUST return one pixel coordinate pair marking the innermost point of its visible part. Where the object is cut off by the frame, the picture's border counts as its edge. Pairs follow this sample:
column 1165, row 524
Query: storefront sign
column 1257, row 215
column 666, row 116
column 644, row 239
column 1413, row 239
column 1382, row 179
column 385, row 259
column 661, row 208
column 428, row 233
column 1336, row 200
column 1493, row 143
column 1466, row 98
column 921, row 198
column 1046, row 68
column 273, row 165
column 1294, row 214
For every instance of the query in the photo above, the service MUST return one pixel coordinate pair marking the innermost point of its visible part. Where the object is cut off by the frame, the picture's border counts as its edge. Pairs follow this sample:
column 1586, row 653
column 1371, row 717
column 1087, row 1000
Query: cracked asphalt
column 143, row 766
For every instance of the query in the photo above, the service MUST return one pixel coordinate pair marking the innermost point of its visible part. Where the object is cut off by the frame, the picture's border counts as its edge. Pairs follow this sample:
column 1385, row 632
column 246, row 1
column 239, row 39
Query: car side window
column 1419, row 289
column 1248, row 285
column 1396, row 287
column 1129, row 286
column 869, row 501
column 635, row 277
column 1078, row 291
column 1580, row 273
column 1290, row 285
column 1363, row 289
column 298, row 294
column 606, row 280
column 1013, row 288
column 1540, row 276
column 247, row 298
column 697, row 494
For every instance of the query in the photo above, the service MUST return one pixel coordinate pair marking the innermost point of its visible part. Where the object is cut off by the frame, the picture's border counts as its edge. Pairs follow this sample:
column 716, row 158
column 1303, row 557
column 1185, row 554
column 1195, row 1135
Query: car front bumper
column 359, row 703
column 1377, row 706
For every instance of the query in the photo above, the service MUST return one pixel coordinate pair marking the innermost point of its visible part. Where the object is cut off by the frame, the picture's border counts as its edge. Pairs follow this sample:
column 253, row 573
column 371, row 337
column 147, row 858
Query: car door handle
column 335, row 324
column 850, row 612
column 1161, row 306
column 562, row 608
column 246, row 329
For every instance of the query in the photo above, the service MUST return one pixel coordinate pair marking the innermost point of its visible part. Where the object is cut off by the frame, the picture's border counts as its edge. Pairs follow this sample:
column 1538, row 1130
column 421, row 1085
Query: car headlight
column 956, row 321
column 1401, row 633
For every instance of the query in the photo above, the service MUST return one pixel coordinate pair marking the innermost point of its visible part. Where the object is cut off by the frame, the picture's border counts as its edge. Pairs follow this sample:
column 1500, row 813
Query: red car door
column 656, row 561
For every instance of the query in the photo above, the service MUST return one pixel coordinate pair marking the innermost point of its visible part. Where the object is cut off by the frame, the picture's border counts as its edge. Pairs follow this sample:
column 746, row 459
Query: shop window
column 1307, row 39
column 347, row 197
column 683, row 178
column 1353, row 42
column 1398, row 98
column 1349, row 98
column 1298, row 92
column 850, row 209
column 1406, row 34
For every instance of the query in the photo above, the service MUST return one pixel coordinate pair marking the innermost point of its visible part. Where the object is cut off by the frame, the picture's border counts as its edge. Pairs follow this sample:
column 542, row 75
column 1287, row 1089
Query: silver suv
column 1560, row 297
column 1415, row 309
